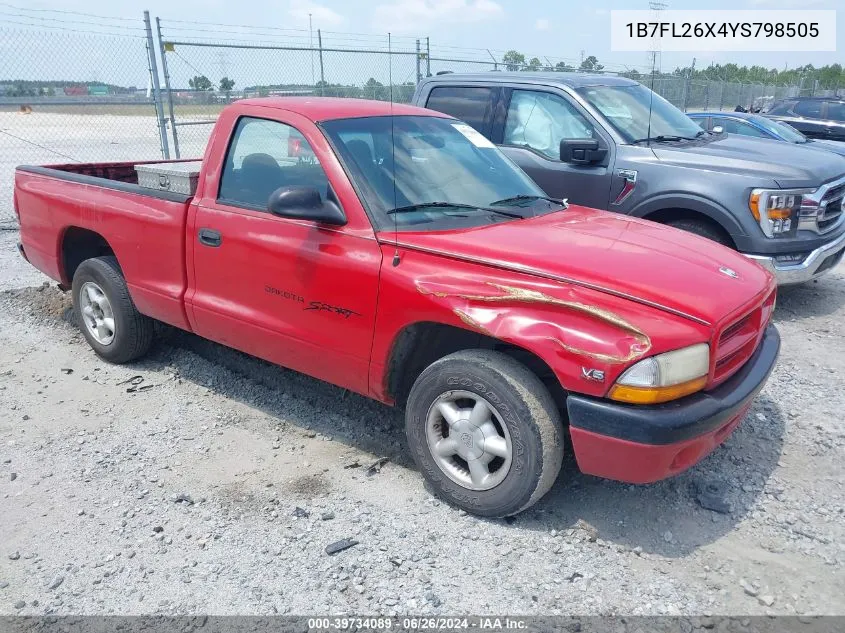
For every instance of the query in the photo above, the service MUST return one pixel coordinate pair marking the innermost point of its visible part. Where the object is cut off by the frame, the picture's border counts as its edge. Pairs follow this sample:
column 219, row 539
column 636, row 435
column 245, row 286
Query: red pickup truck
column 395, row 252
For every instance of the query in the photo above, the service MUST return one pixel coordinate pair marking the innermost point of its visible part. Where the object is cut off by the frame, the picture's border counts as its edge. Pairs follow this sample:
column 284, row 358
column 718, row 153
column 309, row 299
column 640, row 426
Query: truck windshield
column 424, row 170
column 626, row 108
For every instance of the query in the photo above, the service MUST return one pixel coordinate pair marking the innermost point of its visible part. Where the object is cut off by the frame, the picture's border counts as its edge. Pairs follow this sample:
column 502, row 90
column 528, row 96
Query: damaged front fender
column 587, row 337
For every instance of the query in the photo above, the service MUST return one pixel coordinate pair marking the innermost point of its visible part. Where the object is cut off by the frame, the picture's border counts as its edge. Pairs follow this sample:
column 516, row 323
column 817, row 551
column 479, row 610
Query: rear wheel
column 704, row 229
column 484, row 432
column 106, row 313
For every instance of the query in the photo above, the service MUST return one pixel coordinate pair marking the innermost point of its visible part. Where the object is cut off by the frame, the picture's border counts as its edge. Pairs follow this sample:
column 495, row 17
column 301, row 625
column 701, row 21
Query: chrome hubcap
column 468, row 440
column 96, row 313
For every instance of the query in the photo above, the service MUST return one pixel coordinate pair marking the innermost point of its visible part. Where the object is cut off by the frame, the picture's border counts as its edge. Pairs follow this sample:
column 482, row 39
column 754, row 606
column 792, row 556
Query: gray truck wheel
column 484, row 432
column 106, row 314
column 704, row 229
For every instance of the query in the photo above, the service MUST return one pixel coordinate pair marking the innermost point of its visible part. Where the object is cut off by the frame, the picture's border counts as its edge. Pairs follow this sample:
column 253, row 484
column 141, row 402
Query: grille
column 832, row 206
column 738, row 341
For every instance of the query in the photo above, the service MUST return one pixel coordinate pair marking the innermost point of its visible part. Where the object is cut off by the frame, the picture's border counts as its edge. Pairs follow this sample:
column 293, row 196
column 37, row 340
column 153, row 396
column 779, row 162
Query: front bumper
column 817, row 263
column 642, row 444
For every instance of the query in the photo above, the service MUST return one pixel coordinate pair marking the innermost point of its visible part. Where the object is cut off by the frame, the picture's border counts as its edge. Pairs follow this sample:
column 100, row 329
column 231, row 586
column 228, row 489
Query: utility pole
column 656, row 6
column 687, row 80
column 322, row 71
column 311, row 46
column 419, row 77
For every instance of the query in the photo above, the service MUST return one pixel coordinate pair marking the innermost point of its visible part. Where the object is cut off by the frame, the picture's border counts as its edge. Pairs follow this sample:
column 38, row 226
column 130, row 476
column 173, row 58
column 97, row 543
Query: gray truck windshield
column 430, row 170
column 626, row 108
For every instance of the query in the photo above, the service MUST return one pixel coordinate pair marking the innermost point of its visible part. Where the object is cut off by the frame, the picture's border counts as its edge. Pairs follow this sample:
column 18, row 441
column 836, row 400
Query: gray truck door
column 532, row 124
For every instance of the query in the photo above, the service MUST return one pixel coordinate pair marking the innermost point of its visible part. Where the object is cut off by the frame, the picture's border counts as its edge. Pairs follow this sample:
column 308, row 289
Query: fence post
column 168, row 89
column 162, row 128
column 322, row 72
column 418, row 62
column 722, row 97
column 427, row 57
column 495, row 63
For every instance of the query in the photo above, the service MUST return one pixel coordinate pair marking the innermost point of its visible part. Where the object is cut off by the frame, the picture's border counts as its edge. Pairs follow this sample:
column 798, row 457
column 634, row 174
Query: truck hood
column 636, row 259
column 785, row 165
column 837, row 147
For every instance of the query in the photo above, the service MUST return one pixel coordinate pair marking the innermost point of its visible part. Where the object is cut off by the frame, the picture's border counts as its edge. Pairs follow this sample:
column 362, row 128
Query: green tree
column 563, row 67
column 226, row 85
column 200, row 83
column 532, row 65
column 591, row 64
column 513, row 60
column 374, row 89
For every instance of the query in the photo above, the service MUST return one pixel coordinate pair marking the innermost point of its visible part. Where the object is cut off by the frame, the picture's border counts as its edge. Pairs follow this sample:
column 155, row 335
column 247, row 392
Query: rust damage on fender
column 525, row 295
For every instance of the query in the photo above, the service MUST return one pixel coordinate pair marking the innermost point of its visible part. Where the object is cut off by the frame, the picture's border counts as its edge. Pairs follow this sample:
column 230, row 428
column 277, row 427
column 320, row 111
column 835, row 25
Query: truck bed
column 64, row 209
column 119, row 176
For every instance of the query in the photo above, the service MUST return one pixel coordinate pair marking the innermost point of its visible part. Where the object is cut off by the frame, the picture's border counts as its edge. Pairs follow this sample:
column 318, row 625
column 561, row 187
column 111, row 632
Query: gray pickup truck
column 611, row 143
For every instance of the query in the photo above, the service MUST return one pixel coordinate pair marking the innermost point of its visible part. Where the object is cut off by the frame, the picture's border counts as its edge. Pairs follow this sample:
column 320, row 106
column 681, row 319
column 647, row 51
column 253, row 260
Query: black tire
column 522, row 403
column 704, row 229
column 133, row 332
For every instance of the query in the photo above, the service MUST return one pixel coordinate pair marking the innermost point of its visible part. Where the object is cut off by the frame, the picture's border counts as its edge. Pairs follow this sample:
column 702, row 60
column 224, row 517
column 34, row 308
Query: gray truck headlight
column 777, row 210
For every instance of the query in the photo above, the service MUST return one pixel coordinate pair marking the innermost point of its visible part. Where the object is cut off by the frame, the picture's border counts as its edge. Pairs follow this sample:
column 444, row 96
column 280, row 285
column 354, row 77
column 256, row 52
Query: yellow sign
column 169, row 47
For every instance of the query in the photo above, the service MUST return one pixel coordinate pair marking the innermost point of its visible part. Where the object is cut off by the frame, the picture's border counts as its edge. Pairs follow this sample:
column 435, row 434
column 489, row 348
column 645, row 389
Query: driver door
column 536, row 122
column 291, row 291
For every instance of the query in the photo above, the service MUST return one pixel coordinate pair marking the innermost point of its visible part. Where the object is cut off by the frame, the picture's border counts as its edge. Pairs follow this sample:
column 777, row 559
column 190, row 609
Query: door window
column 810, row 108
column 540, row 120
column 783, row 108
column 264, row 156
column 733, row 126
column 836, row 110
column 468, row 103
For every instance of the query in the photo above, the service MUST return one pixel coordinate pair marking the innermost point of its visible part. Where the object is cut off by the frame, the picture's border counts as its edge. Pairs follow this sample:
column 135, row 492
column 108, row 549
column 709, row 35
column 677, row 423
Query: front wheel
column 106, row 313
column 485, row 432
column 704, row 229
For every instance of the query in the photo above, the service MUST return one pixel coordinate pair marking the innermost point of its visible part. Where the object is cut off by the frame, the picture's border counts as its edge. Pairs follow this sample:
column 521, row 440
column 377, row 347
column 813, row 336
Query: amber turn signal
column 656, row 395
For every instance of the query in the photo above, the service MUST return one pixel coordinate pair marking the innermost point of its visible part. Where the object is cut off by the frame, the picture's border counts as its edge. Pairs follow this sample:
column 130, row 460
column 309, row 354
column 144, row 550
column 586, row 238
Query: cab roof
column 572, row 80
column 328, row 108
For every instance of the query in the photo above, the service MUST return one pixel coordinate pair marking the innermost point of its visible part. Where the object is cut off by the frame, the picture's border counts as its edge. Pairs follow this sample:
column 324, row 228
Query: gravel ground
column 214, row 482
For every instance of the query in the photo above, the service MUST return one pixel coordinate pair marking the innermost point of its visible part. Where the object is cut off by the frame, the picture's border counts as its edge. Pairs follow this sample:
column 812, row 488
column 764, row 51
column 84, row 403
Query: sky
column 557, row 29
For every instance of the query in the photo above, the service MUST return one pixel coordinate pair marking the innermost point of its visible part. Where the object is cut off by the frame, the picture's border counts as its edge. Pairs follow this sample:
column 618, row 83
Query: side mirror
column 581, row 151
column 717, row 129
column 305, row 203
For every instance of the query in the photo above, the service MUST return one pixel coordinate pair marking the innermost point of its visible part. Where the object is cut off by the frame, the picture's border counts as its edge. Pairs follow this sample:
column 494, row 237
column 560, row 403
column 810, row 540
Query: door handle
column 210, row 237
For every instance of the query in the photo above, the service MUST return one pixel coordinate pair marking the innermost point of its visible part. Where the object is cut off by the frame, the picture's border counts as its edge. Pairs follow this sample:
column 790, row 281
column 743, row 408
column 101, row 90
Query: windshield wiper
column 522, row 196
column 450, row 205
column 665, row 138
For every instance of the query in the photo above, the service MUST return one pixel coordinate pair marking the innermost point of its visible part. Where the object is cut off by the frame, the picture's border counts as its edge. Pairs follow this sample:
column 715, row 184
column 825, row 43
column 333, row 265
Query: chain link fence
column 77, row 87
column 201, row 77
column 75, row 93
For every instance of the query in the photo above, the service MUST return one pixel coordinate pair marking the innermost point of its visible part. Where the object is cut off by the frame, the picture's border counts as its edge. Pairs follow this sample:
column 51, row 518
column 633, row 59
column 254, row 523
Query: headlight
column 664, row 377
column 776, row 210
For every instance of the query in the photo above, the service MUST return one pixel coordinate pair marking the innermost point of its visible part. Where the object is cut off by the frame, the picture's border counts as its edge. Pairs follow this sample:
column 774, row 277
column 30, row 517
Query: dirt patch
column 42, row 301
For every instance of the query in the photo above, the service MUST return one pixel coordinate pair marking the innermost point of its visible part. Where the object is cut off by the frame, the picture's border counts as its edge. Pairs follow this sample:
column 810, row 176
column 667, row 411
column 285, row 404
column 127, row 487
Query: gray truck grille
column 830, row 209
